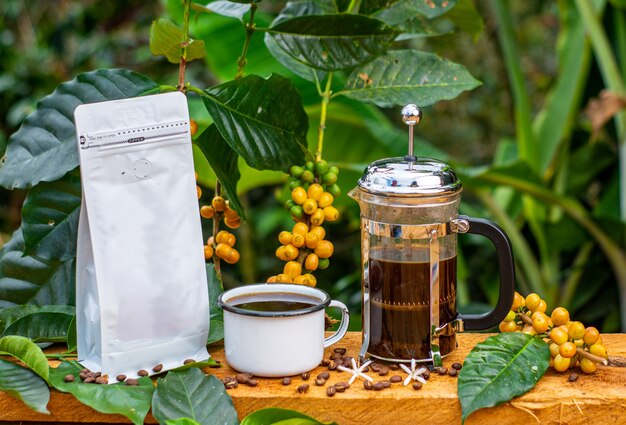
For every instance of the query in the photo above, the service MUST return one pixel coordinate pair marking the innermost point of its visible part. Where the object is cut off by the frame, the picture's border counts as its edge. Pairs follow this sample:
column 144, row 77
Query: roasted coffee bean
column 333, row 365
column 394, row 366
column 453, row 372
column 187, row 361
column 131, row 382
column 143, row 372
column 89, row 380
column 341, row 386
column 367, row 385
column 347, row 361
column 252, row 382
column 331, row 390
column 303, row 388
column 366, row 369
column 377, row 386
column 573, row 377
column 385, row 384
column 242, row 378
column 383, row 371
column 324, row 362
column 376, row 367
column 286, row 380
column 457, row 366
column 85, row 370
column 417, row 385
column 340, row 350
column 305, row 375
column 426, row 375
column 121, row 378
column 324, row 375
column 96, row 374
column 68, row 378
column 231, row 385
column 101, row 380
column 335, row 356
column 442, row 370
column 157, row 368
column 395, row 379
column 83, row 376
column 320, row 382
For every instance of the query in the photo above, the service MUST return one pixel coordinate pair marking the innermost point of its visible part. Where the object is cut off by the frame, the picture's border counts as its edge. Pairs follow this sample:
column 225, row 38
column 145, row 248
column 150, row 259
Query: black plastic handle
column 500, row 240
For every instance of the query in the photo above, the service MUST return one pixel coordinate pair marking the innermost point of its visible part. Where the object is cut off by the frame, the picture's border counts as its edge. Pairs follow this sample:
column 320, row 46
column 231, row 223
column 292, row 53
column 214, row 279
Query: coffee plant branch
column 183, row 47
column 250, row 28
column 322, row 127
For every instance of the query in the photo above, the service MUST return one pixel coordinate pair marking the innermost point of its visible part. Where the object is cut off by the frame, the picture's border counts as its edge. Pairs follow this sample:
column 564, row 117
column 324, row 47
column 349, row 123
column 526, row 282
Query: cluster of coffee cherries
column 571, row 343
column 304, row 249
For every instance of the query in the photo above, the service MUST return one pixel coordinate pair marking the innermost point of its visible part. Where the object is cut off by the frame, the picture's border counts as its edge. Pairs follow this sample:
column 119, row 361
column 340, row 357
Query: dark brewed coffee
column 399, row 308
column 273, row 302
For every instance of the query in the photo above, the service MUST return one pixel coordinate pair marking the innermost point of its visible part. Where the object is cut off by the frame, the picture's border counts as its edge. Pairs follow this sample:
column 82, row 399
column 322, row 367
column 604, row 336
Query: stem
column 354, row 6
column 527, row 320
column 216, row 228
column 322, row 127
column 183, row 47
column 250, row 27
column 592, row 357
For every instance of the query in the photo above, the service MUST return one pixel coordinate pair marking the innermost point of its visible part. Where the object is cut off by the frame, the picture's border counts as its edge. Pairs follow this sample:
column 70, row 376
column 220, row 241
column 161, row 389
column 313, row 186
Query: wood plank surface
column 592, row 399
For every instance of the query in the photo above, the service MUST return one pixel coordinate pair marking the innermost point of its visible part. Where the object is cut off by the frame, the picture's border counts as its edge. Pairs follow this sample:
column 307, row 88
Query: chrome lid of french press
column 409, row 175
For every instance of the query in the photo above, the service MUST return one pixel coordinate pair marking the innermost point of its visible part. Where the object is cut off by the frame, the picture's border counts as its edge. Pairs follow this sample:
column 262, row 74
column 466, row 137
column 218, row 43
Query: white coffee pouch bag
column 141, row 286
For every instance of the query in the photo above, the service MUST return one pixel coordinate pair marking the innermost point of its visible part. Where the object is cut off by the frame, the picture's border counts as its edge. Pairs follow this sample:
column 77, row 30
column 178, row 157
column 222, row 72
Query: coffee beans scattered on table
column 120, row 378
column 573, row 377
column 457, row 366
column 395, row 379
column 453, row 372
column 68, row 378
column 303, row 388
column 158, row 368
column 286, row 380
column 417, row 385
column 306, row 375
column 331, row 390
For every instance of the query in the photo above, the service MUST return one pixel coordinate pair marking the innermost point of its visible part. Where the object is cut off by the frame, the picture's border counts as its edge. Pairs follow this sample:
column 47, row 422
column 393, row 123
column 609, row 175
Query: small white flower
column 357, row 371
column 413, row 374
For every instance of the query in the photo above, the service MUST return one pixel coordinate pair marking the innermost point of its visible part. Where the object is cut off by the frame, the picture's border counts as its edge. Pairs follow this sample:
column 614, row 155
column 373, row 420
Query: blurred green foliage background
column 523, row 142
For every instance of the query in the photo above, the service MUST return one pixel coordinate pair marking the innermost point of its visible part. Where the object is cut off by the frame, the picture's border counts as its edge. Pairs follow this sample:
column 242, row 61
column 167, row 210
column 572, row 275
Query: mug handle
column 500, row 240
column 343, row 326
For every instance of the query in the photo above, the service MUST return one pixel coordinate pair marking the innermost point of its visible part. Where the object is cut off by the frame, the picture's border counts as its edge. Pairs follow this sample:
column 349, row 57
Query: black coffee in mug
column 273, row 302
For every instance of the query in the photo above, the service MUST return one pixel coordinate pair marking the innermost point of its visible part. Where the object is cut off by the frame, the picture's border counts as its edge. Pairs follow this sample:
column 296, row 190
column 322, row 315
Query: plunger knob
column 411, row 115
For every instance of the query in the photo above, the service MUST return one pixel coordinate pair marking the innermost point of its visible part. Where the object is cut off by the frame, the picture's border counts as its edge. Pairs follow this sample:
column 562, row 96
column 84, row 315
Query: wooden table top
column 592, row 399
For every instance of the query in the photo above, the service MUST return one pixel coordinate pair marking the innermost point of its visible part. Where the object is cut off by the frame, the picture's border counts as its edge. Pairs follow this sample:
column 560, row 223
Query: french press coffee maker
column 409, row 226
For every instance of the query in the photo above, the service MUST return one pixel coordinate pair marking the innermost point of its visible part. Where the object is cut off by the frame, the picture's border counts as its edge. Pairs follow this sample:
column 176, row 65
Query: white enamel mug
column 276, row 344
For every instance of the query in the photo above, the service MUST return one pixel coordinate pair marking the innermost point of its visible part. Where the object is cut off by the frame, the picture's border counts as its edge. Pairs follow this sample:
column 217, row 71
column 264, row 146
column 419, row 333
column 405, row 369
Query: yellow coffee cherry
column 591, row 335
column 540, row 324
column 283, row 278
column 319, row 232
column 518, row 301
column 291, row 252
column 587, row 366
column 576, row 330
column 219, row 203
column 331, row 214
column 195, row 174
column 231, row 213
column 325, row 200
column 280, row 253
column 309, row 206
column 561, row 364
column 193, row 129
column 271, row 279
column 560, row 316
column 232, row 223
column 222, row 236
column 567, row 350
column 210, row 241
column 507, row 326
column 292, row 269
column 233, row 256
column 510, row 316
column 598, row 350
column 315, row 191
column 198, row 191
column 317, row 218
column 324, row 249
column 532, row 301
column 300, row 228
column 554, row 349
column 284, row 237
column 529, row 330
column 208, row 252
column 311, row 240
column 299, row 195
column 312, row 262
column 297, row 240
column 207, row 211
column 558, row 335
column 542, row 306
column 306, row 279
column 223, row 250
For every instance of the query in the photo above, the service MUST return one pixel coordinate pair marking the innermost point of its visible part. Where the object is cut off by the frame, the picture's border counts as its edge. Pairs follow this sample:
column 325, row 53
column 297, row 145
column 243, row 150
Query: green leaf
column 50, row 219
column 408, row 76
column 44, row 148
column 280, row 416
column 402, row 10
column 261, row 119
column 181, row 421
column 9, row 315
column 25, row 385
column 228, row 8
column 166, row 38
column 223, row 161
column 130, row 401
column 333, row 42
column 72, row 338
column 465, row 16
column 27, row 352
column 41, row 327
column 504, row 366
column 192, row 394
column 216, row 327
column 25, row 279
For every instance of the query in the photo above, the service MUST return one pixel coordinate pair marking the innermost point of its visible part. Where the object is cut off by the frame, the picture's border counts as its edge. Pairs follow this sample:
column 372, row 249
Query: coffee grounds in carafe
column 399, row 308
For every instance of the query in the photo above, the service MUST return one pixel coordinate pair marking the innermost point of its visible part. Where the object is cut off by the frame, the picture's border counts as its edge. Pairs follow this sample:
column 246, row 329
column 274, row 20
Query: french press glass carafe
column 409, row 225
